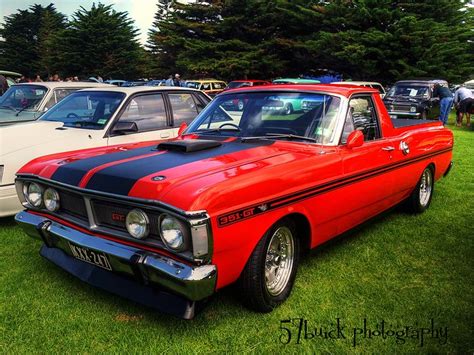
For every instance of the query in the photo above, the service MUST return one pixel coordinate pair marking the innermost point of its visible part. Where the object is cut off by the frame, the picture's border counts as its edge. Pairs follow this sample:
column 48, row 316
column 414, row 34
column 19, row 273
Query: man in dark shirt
column 445, row 103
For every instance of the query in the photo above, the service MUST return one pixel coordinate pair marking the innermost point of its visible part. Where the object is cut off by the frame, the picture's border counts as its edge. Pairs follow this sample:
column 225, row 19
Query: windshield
column 270, row 114
column 192, row 84
column 409, row 90
column 85, row 109
column 238, row 84
column 23, row 97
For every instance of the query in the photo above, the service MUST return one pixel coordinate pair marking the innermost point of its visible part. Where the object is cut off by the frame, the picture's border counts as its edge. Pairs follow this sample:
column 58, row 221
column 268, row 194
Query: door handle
column 388, row 148
column 163, row 135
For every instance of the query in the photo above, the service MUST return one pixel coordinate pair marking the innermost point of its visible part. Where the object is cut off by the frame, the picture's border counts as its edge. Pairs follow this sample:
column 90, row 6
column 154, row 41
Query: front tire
column 420, row 198
column 269, row 275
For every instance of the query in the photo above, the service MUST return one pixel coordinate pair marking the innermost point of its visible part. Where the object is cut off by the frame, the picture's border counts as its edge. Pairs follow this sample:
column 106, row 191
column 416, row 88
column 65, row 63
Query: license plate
column 89, row 256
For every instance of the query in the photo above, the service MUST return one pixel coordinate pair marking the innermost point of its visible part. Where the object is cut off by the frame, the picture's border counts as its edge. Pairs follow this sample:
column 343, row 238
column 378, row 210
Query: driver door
column 367, row 189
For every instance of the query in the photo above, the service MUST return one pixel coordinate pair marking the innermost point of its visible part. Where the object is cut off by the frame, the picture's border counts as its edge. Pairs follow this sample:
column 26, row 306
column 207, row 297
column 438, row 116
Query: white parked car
column 367, row 84
column 94, row 118
column 27, row 101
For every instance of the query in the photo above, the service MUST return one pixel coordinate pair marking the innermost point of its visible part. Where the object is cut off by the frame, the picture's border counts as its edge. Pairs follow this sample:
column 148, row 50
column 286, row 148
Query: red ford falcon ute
column 238, row 197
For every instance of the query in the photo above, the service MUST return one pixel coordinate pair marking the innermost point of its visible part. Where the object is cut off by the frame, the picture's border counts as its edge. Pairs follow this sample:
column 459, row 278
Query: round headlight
column 137, row 224
column 33, row 194
column 413, row 109
column 51, row 199
column 172, row 232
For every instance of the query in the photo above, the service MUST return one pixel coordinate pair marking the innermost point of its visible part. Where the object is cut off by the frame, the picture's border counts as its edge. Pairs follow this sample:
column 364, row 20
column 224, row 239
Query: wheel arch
column 303, row 229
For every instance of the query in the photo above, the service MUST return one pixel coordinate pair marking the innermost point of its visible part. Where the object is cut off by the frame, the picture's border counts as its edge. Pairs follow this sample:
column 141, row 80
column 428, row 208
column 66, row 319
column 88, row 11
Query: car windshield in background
column 23, row 97
column 85, row 109
column 238, row 84
column 275, row 115
column 192, row 84
column 409, row 91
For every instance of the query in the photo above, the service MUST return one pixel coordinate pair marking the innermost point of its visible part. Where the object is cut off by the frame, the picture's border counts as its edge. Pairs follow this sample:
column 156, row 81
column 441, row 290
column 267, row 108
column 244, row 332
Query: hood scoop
column 189, row 145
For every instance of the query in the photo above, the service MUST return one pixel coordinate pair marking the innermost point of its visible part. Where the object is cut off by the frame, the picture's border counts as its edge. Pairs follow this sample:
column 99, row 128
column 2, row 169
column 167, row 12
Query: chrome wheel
column 279, row 260
column 426, row 187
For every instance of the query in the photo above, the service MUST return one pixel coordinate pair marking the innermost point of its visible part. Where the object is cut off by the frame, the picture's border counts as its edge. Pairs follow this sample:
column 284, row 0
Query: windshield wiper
column 278, row 135
column 23, row 109
column 9, row 107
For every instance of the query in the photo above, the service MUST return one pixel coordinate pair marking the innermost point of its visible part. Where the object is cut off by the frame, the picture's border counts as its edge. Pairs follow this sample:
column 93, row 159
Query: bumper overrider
column 144, row 276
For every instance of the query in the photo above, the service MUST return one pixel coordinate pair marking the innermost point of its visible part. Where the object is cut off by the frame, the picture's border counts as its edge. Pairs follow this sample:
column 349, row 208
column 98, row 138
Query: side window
column 57, row 95
column 201, row 101
column 361, row 116
column 206, row 86
column 184, row 108
column 147, row 111
column 217, row 86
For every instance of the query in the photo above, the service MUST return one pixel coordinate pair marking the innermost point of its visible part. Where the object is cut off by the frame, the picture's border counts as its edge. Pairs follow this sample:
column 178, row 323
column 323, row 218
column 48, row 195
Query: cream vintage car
column 27, row 101
column 93, row 118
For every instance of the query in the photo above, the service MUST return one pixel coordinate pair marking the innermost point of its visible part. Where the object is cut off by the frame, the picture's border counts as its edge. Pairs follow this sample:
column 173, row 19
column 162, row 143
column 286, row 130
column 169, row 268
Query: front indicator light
column 51, row 199
column 138, row 224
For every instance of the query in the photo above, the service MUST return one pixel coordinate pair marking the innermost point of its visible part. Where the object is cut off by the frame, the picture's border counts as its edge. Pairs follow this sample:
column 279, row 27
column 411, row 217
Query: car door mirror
column 182, row 128
column 355, row 139
column 124, row 127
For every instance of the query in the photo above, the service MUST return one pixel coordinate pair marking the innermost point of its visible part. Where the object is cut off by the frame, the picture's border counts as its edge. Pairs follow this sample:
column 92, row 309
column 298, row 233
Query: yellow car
column 211, row 87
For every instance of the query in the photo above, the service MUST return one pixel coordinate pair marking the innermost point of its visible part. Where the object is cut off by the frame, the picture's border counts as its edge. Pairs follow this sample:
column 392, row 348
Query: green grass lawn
column 403, row 269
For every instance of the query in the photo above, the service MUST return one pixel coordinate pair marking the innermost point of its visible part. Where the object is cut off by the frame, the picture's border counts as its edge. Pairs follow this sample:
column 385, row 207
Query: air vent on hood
column 189, row 145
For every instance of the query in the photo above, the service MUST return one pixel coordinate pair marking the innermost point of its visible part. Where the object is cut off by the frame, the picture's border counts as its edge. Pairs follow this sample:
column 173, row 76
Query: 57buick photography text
column 299, row 330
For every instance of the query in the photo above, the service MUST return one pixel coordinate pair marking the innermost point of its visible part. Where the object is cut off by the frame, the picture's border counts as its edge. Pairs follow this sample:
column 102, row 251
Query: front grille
column 72, row 204
column 401, row 108
column 112, row 215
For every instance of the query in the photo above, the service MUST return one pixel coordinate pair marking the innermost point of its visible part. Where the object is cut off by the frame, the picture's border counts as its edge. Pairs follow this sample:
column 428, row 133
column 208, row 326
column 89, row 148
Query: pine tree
column 100, row 41
column 26, row 36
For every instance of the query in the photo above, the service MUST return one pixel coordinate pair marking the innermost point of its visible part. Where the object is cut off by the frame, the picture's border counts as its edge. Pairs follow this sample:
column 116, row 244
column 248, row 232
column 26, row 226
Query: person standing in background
column 3, row 85
column 463, row 101
column 169, row 81
column 445, row 102
column 38, row 79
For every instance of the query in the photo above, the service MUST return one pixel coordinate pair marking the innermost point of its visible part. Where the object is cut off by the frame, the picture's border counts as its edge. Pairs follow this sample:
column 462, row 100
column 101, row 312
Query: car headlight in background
column 413, row 109
column 51, row 199
column 173, row 232
column 137, row 223
column 33, row 194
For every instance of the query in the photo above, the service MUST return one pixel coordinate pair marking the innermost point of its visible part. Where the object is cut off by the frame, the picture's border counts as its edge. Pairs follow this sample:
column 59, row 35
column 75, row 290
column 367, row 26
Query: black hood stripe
column 119, row 179
column 72, row 173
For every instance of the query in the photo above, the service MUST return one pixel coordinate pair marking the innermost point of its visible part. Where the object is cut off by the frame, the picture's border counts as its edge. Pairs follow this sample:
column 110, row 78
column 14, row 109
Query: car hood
column 8, row 116
column 192, row 179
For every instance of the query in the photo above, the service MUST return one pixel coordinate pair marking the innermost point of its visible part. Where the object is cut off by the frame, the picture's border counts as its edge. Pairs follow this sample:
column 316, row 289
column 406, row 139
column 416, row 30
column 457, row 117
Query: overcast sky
column 141, row 11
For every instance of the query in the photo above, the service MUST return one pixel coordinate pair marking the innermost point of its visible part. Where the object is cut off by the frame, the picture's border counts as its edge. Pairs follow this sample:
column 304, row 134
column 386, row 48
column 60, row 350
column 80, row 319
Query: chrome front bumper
column 146, row 268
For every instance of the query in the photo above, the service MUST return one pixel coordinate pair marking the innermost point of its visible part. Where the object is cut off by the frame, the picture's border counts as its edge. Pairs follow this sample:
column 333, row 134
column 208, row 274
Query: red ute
column 238, row 197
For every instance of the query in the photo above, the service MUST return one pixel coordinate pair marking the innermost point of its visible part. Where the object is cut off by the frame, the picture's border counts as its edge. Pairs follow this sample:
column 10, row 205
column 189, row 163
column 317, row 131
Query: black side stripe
column 72, row 173
column 251, row 211
column 119, row 179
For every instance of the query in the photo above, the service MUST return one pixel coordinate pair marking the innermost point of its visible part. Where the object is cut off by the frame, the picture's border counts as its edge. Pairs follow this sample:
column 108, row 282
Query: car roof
column 296, row 80
column 129, row 90
column 418, row 81
column 10, row 73
column 66, row 84
column 205, row 81
column 343, row 90
column 249, row 81
column 356, row 83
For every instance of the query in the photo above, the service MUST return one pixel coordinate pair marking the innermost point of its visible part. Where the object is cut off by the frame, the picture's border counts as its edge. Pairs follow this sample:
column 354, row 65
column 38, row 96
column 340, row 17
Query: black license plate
column 89, row 256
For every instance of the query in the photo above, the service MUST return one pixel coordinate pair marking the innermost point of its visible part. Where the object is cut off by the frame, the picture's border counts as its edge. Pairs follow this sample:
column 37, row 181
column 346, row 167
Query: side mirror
column 182, row 128
column 355, row 139
column 125, row 127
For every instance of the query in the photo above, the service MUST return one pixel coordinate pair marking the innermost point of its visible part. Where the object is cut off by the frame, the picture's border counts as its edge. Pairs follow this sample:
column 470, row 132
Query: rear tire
column 420, row 198
column 269, row 275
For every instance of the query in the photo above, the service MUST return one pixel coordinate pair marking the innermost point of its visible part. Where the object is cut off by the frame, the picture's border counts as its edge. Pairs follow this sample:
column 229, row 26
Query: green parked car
column 291, row 103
